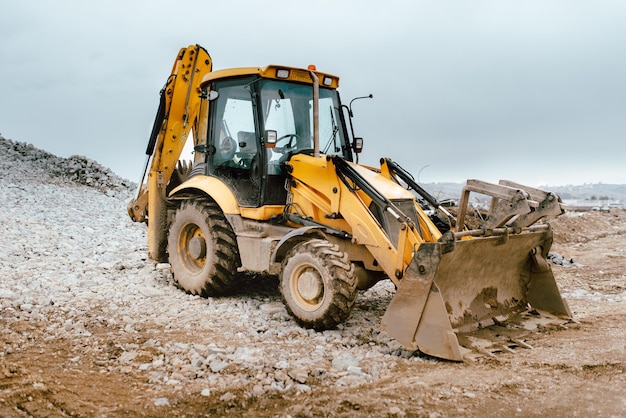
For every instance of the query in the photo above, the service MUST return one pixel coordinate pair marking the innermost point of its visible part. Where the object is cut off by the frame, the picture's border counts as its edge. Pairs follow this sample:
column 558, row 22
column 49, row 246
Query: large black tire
column 202, row 249
column 318, row 284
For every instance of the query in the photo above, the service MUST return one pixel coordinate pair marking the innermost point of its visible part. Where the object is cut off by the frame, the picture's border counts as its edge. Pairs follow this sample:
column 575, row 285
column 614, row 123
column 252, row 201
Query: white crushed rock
column 73, row 262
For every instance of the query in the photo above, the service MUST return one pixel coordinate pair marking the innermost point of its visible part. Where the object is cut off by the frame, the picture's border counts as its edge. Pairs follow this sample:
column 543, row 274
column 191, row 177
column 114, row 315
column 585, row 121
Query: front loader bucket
column 457, row 287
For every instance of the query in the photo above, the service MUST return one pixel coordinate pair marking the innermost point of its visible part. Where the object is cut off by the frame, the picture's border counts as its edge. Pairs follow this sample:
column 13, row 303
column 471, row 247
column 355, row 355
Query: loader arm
column 180, row 104
column 446, row 283
column 417, row 316
column 331, row 185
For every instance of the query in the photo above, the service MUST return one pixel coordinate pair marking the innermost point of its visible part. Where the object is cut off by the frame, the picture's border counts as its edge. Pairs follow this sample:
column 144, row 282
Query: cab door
column 233, row 153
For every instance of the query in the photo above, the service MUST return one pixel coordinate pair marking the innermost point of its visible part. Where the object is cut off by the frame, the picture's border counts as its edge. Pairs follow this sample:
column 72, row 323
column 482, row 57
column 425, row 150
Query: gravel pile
column 72, row 262
column 21, row 161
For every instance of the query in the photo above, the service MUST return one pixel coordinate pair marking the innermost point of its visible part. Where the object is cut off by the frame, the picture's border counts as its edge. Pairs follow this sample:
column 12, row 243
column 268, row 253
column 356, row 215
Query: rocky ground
column 90, row 327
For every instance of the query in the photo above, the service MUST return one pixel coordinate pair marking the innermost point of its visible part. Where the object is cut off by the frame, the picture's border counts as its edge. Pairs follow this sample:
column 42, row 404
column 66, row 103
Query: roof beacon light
column 282, row 73
column 311, row 67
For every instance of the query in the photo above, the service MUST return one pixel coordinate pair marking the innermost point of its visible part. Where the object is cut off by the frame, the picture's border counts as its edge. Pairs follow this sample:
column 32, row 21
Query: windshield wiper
column 333, row 135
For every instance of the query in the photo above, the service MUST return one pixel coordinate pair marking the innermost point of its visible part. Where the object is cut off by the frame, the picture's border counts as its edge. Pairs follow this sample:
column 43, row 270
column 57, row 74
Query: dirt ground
column 577, row 371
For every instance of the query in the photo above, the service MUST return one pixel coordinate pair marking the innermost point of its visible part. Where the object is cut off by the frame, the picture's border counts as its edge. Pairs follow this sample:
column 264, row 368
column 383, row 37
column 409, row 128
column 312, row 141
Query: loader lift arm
column 417, row 316
column 393, row 257
column 396, row 169
column 390, row 168
column 181, row 102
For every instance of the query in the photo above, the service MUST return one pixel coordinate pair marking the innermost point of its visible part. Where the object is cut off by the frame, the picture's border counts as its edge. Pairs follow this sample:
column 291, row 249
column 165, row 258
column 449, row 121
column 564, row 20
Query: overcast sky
column 531, row 91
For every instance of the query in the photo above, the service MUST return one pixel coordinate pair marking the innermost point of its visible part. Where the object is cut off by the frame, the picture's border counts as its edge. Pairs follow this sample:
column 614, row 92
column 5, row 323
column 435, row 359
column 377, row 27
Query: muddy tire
column 318, row 284
column 202, row 249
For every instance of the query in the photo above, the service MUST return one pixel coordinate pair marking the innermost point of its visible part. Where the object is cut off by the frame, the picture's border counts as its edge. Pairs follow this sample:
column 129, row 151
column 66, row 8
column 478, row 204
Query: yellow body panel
column 263, row 213
column 213, row 187
column 224, row 197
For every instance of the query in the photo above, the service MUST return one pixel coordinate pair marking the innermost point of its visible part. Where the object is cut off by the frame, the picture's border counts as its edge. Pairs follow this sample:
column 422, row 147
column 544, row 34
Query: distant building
column 593, row 204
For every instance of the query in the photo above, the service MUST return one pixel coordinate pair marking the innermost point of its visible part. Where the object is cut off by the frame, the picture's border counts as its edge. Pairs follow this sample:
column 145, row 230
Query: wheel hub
column 197, row 247
column 310, row 285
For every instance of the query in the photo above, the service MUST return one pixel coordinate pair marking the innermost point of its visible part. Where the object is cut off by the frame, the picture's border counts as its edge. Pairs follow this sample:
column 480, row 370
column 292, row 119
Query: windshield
column 288, row 110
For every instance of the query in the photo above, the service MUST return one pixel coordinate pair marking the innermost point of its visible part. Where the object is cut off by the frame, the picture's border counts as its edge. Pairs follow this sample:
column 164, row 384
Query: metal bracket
column 545, row 205
column 512, row 204
column 506, row 203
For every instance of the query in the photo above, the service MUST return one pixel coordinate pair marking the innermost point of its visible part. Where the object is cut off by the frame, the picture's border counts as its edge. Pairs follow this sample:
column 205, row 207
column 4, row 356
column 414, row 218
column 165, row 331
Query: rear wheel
column 202, row 249
column 318, row 284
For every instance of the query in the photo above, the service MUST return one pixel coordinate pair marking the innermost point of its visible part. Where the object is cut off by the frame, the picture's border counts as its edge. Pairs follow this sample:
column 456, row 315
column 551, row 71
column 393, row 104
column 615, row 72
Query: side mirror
column 271, row 137
column 357, row 145
column 213, row 94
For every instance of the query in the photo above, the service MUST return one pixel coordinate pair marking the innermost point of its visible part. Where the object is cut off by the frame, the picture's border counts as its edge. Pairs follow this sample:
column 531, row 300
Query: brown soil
column 578, row 371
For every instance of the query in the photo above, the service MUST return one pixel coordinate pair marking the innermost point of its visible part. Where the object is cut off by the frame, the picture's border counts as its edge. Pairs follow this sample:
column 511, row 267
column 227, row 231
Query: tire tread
column 342, row 284
column 221, row 276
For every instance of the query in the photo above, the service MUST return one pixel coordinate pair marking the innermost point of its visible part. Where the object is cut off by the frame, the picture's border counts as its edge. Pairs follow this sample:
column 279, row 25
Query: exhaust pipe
column 316, row 116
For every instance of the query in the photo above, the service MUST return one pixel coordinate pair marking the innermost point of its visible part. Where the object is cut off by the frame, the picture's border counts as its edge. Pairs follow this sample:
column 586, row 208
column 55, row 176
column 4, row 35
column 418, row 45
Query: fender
column 212, row 187
column 295, row 237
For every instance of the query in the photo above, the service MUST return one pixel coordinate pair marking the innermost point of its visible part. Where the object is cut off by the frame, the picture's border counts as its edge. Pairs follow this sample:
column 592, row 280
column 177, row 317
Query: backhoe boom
column 177, row 115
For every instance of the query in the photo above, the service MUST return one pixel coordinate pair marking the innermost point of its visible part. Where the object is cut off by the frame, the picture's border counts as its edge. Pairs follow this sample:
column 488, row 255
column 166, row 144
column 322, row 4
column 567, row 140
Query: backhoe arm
column 179, row 107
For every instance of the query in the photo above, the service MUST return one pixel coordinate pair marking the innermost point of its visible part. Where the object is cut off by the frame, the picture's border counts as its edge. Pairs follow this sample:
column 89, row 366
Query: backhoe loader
column 273, row 186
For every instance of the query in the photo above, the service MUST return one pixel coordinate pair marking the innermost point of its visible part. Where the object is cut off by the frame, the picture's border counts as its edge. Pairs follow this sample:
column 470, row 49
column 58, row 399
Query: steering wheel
column 226, row 150
column 291, row 143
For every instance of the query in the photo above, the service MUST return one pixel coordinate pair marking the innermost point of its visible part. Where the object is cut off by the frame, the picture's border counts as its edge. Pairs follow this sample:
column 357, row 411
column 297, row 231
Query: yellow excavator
column 256, row 170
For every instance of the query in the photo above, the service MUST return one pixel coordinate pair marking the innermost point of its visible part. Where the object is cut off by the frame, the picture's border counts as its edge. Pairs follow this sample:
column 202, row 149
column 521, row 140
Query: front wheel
column 202, row 249
column 318, row 284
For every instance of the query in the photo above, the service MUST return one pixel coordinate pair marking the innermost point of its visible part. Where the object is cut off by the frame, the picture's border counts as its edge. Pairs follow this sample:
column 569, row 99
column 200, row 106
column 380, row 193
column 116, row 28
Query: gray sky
column 531, row 91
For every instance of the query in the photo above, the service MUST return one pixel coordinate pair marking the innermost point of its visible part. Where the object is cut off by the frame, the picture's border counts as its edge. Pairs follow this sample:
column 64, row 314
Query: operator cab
column 244, row 112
